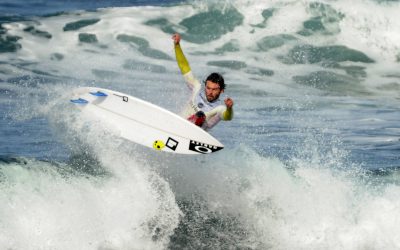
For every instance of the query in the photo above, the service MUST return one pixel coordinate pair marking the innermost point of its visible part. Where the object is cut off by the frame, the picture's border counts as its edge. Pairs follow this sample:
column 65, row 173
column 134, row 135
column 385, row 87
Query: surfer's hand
column 229, row 103
column 177, row 38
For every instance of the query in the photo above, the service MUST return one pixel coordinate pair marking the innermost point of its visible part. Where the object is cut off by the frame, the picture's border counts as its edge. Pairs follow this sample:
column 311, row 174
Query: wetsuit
column 215, row 111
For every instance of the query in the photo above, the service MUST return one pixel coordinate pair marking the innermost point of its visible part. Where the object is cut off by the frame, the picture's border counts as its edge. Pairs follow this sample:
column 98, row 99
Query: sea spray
column 310, row 159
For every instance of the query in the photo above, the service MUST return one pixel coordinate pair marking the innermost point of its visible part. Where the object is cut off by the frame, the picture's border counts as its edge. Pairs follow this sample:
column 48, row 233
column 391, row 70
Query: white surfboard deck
column 145, row 123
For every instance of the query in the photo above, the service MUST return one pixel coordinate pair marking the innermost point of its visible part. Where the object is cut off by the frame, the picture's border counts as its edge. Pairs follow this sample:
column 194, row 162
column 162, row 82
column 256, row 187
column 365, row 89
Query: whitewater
column 311, row 157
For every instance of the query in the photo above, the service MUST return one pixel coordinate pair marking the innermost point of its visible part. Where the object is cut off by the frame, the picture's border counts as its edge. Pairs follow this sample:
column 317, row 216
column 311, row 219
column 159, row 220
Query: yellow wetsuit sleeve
column 181, row 59
column 227, row 115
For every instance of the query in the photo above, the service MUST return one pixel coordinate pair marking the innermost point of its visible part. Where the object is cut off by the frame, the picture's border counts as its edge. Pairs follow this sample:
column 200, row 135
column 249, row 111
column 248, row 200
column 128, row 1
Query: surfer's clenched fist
column 177, row 38
column 229, row 103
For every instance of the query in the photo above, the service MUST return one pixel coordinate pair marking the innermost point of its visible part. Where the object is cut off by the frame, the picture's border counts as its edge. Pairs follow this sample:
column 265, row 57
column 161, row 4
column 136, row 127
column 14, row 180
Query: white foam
column 358, row 30
column 42, row 209
column 130, row 206
column 313, row 206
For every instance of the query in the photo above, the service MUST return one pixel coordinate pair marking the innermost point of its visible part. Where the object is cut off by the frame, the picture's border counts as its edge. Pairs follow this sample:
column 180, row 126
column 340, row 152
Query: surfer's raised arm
column 180, row 57
column 183, row 64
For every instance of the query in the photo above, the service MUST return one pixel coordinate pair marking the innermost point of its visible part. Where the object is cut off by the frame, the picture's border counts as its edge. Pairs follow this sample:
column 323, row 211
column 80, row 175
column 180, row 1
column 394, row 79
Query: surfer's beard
column 212, row 98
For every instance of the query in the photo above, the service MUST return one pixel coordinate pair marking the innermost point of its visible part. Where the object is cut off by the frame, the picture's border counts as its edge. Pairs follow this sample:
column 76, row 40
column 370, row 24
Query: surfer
column 205, row 108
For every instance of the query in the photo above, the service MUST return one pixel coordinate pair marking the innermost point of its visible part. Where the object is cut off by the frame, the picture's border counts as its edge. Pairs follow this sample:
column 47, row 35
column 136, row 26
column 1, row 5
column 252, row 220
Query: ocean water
column 311, row 159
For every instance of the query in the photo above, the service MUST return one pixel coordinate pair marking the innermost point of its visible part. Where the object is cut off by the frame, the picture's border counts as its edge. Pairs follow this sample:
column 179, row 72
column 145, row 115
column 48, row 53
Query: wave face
column 310, row 160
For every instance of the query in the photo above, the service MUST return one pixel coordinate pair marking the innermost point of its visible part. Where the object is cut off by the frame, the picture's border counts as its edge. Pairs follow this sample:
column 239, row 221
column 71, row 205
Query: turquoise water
column 310, row 160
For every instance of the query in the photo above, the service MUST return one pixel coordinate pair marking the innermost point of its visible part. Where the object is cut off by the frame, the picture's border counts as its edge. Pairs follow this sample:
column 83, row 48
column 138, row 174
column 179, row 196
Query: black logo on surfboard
column 203, row 148
column 172, row 144
column 124, row 98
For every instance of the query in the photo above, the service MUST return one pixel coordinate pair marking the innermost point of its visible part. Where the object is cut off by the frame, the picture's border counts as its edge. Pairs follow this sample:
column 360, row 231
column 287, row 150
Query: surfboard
column 145, row 123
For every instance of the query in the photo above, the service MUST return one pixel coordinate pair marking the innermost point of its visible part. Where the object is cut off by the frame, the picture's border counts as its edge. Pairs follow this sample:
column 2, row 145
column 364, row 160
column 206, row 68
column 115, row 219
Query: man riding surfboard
column 205, row 108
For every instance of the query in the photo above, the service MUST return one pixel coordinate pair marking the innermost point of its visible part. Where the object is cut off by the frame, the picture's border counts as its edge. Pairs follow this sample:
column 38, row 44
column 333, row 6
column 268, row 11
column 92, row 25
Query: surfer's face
column 212, row 91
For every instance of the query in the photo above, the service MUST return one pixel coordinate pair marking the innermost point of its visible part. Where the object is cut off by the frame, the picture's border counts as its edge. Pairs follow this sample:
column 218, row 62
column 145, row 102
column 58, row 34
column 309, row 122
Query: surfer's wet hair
column 217, row 78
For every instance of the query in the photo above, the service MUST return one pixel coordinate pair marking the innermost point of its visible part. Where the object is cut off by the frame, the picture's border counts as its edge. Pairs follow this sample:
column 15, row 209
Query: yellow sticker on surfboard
column 158, row 145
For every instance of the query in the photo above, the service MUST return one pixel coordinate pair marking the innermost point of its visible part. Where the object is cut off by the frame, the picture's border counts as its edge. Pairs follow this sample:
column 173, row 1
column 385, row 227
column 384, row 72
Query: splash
column 310, row 82
column 119, row 205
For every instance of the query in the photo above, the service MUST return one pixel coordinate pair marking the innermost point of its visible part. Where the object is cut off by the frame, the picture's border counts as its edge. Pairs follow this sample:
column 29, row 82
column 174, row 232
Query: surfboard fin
column 79, row 101
column 99, row 93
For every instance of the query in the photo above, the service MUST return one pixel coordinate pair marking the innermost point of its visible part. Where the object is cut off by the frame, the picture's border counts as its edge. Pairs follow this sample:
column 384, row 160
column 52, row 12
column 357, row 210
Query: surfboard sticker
column 124, row 98
column 158, row 145
column 203, row 148
column 172, row 144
